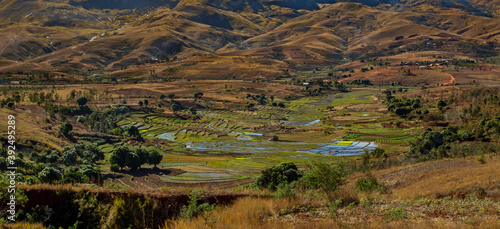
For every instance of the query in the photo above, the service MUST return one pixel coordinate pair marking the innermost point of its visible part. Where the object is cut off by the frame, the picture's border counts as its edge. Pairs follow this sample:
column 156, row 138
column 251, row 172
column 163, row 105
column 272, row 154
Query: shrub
column 193, row 209
column 82, row 101
column 49, row 175
column 65, row 128
column 368, row 184
column 395, row 214
column 325, row 176
column 285, row 191
column 334, row 205
column 481, row 160
column 114, row 168
column 378, row 152
column 285, row 172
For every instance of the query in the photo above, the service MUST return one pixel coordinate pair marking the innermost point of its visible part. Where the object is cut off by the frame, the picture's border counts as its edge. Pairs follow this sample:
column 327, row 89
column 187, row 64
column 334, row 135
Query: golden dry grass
column 29, row 126
column 253, row 212
column 448, row 177
column 22, row 225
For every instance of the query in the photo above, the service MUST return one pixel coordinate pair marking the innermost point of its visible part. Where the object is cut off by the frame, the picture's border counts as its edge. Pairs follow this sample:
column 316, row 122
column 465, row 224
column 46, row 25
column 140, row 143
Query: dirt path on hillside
column 452, row 78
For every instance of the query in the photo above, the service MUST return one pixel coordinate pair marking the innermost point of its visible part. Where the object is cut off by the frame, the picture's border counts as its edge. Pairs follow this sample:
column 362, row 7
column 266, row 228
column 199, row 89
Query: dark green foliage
column 91, row 212
column 49, row 175
column 378, row 152
column 3, row 163
column 285, row 172
column 71, row 177
column 192, row 110
column 285, row 191
column 133, row 131
column 93, row 173
column 133, row 161
column 143, row 155
column 105, row 121
column 194, row 209
column 155, row 157
column 325, row 176
column 114, row 168
column 197, row 95
column 361, row 82
column 52, row 157
column 439, row 144
column 249, row 106
column 119, row 156
column 92, row 154
column 69, row 157
column 401, row 106
column 64, row 112
column 82, row 101
column 441, row 104
column 368, row 183
column 175, row 107
column 65, row 128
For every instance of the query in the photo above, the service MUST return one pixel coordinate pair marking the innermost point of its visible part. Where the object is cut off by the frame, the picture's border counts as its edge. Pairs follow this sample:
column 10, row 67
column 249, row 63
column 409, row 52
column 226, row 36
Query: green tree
column 119, row 156
column 92, row 154
column 197, row 95
column 140, row 103
column 69, row 157
column 114, row 168
column 64, row 112
column 192, row 110
column 82, row 101
column 175, row 108
column 249, row 106
column 441, row 104
column 49, row 175
column 325, row 176
column 92, row 172
column 133, row 131
column 65, row 128
column 146, row 102
column 285, row 172
column 171, row 96
column 133, row 161
column 143, row 155
column 155, row 157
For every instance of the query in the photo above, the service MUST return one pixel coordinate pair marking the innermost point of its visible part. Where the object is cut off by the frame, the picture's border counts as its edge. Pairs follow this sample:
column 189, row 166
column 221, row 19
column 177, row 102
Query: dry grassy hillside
column 84, row 36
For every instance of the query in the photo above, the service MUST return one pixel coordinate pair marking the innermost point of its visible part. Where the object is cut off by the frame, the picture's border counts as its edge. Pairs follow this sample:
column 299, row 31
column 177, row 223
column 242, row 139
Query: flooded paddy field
column 239, row 144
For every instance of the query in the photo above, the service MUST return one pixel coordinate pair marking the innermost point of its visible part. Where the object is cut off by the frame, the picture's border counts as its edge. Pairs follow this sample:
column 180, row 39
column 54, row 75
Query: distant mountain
column 109, row 35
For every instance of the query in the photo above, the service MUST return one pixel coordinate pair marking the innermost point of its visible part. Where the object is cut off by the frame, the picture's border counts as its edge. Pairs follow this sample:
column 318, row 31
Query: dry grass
column 30, row 127
column 297, row 213
column 22, row 225
column 456, row 177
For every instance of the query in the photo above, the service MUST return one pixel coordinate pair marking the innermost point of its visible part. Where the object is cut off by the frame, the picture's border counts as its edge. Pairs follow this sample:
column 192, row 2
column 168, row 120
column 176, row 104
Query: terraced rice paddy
column 236, row 144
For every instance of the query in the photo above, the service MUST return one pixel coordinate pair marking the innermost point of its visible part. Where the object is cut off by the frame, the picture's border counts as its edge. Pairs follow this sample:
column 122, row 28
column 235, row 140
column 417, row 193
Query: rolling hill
column 79, row 37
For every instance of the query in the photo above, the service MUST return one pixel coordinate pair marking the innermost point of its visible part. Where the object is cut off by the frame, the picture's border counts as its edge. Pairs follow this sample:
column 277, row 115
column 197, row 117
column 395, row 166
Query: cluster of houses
column 155, row 61
column 425, row 64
